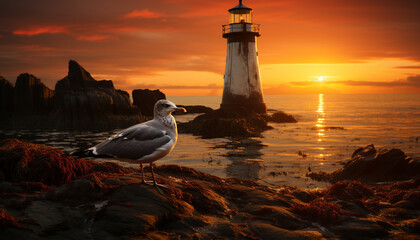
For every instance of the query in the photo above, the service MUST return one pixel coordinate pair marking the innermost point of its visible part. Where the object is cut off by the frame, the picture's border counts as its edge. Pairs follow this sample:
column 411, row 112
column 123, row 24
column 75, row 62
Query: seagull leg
column 154, row 181
column 142, row 174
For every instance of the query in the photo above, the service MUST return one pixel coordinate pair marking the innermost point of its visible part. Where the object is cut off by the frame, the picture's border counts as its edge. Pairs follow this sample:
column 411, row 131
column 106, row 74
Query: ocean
column 329, row 129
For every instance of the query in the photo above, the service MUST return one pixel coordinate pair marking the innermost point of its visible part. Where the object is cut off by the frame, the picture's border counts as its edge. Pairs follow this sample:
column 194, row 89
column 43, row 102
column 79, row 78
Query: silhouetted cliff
column 6, row 97
column 79, row 102
column 145, row 100
column 31, row 96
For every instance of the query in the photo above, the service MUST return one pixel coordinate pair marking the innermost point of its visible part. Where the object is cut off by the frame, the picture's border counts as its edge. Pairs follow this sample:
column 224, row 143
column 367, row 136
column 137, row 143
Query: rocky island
column 45, row 195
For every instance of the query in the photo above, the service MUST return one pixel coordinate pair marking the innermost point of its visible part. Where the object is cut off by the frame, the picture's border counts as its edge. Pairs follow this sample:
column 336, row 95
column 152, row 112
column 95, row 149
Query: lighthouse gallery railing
column 241, row 27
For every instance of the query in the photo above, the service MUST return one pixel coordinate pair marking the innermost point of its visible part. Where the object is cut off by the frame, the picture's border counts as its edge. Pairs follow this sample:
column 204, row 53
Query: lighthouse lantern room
column 242, row 84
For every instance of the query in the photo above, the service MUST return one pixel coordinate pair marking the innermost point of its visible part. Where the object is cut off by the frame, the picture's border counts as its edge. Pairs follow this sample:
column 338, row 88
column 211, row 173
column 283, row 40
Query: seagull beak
column 180, row 109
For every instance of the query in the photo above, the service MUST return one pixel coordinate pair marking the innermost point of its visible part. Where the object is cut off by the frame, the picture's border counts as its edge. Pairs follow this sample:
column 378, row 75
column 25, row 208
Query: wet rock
column 320, row 211
column 145, row 100
column 23, row 161
column 371, row 166
column 348, row 191
column 398, row 213
column 235, row 122
column 223, row 123
column 267, row 232
column 359, row 229
column 97, row 201
column 7, row 220
column 281, row 117
column 281, row 216
column 193, row 109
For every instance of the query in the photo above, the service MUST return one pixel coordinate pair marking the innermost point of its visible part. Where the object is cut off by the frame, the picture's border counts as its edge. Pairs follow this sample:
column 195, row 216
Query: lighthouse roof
column 240, row 6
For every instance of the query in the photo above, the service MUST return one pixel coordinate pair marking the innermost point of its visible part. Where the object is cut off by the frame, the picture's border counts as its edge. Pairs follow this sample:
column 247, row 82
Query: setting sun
column 321, row 78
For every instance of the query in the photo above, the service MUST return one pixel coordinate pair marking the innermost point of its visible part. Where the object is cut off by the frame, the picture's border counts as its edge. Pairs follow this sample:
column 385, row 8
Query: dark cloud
column 411, row 81
column 408, row 67
column 171, row 35
column 156, row 86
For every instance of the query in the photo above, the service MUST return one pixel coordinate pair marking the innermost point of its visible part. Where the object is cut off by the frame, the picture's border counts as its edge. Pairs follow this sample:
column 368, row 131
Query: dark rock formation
column 6, row 97
column 369, row 165
column 81, row 102
column 78, row 79
column 103, row 201
column 78, row 103
column 192, row 109
column 145, row 100
column 23, row 161
column 226, row 123
column 281, row 117
column 31, row 96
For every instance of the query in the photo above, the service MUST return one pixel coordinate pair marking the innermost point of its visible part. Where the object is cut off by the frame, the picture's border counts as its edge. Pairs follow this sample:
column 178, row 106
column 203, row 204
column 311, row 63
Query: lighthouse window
column 240, row 16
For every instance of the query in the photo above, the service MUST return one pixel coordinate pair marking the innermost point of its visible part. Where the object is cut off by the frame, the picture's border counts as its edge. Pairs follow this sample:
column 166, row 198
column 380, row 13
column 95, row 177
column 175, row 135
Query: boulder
column 31, row 96
column 226, row 123
column 281, row 117
column 6, row 97
column 145, row 100
column 192, row 109
column 81, row 102
column 372, row 166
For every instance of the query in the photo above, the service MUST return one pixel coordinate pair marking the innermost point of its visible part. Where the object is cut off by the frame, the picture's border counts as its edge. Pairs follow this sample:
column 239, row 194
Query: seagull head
column 165, row 107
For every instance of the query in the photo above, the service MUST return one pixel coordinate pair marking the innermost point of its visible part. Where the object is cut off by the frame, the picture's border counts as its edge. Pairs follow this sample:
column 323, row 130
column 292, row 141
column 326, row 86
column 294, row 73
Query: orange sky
column 358, row 46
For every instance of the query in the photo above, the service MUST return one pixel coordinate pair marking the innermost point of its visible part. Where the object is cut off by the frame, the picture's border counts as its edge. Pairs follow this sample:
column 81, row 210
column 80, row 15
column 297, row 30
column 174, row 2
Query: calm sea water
column 330, row 128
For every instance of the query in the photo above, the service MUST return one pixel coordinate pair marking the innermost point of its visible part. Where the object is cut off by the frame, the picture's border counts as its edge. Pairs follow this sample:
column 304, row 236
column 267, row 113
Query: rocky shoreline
column 45, row 195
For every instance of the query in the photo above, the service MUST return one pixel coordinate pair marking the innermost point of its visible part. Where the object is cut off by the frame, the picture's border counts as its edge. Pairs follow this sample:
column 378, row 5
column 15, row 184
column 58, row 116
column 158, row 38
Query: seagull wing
column 134, row 142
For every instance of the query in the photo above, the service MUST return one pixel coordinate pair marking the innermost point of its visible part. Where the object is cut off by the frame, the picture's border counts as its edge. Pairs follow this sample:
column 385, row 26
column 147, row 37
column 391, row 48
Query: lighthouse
column 242, row 83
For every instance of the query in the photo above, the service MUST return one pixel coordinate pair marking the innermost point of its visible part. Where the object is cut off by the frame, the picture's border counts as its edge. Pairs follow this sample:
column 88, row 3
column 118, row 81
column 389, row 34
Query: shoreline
column 103, row 200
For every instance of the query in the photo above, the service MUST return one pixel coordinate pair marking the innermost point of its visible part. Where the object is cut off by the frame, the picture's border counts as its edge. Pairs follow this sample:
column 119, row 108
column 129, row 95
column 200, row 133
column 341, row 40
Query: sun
column 321, row 78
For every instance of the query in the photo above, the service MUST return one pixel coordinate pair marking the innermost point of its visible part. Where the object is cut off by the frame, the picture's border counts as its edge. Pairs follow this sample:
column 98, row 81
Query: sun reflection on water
column 321, row 117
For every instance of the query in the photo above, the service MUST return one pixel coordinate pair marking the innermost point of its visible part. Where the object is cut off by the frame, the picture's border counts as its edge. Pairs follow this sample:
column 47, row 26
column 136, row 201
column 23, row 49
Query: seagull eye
column 166, row 105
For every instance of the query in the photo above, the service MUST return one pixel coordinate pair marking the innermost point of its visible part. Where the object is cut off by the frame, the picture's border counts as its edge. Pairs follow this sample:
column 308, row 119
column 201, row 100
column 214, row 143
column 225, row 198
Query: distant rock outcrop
column 81, row 102
column 78, row 78
column 6, row 97
column 145, row 100
column 237, row 123
column 372, row 166
column 281, row 117
column 226, row 123
column 31, row 96
column 191, row 109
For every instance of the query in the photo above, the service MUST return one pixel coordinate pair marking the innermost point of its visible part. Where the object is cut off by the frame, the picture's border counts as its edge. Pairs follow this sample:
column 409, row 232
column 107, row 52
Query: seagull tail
column 88, row 153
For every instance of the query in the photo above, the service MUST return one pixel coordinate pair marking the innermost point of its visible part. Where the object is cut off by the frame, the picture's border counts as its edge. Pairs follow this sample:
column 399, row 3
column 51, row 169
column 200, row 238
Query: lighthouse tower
column 242, row 84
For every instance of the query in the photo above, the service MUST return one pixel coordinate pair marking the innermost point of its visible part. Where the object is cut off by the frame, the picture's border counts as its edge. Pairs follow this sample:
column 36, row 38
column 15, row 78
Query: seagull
column 144, row 142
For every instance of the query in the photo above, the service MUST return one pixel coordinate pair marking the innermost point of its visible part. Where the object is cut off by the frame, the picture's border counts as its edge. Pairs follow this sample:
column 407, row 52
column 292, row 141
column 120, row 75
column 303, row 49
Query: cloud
column 156, row 86
column 303, row 83
column 40, row 30
column 95, row 37
column 145, row 13
column 410, row 81
column 408, row 67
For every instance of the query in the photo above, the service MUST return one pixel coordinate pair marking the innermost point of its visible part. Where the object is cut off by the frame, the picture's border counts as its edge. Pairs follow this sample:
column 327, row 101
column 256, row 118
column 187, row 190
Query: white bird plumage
column 144, row 142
